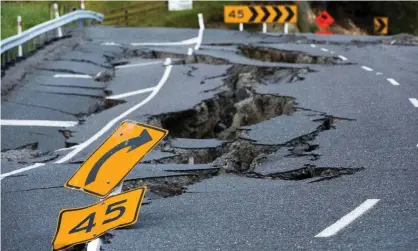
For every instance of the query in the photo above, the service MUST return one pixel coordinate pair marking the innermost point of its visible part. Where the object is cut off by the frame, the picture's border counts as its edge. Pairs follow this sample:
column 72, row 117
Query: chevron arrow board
column 234, row 14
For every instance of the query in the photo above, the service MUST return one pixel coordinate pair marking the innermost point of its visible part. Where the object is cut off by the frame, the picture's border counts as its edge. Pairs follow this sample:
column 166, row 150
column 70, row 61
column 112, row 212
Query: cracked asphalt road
column 232, row 119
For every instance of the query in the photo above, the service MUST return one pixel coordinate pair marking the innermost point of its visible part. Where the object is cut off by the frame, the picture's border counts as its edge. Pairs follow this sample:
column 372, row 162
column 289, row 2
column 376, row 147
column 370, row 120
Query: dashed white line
column 348, row 218
column 323, row 49
column 136, row 65
column 49, row 123
column 378, row 73
column 366, row 68
column 109, row 125
column 414, row 101
column 21, row 170
column 110, row 43
column 128, row 94
column 392, row 81
column 332, row 52
column 342, row 57
column 72, row 76
column 313, row 46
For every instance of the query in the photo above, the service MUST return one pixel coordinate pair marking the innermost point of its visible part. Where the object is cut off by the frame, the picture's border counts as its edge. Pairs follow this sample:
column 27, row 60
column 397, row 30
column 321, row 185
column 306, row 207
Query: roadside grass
column 159, row 16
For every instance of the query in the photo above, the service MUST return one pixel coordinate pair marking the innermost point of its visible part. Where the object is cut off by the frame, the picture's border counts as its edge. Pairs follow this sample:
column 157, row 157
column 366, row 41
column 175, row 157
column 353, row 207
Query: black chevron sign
column 260, row 14
column 381, row 25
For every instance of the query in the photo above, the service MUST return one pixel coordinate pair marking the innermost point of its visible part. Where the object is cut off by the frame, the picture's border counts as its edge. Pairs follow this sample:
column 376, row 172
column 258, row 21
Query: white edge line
column 36, row 165
column 366, row 68
column 72, row 76
column 392, row 81
column 342, row 57
column 128, row 94
column 109, row 125
column 348, row 218
column 313, row 46
column 184, row 42
column 136, row 65
column 51, row 123
column 414, row 101
column 190, row 51
column 66, row 148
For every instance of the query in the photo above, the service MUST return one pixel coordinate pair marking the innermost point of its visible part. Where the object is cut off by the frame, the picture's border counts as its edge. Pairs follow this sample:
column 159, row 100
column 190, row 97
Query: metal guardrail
column 42, row 33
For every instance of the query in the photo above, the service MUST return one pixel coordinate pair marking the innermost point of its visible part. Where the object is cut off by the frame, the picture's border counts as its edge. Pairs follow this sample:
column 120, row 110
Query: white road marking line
column 332, row 52
column 378, row 73
column 184, row 42
column 323, row 49
column 110, row 43
column 51, row 123
column 342, row 57
column 366, row 68
column 313, row 46
column 348, row 218
column 128, row 94
column 414, row 101
column 189, row 51
column 4, row 175
column 392, row 81
column 136, row 65
column 66, row 148
column 109, row 125
column 72, row 76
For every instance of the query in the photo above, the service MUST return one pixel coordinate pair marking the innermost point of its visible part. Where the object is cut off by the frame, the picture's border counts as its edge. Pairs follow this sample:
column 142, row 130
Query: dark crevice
column 60, row 70
column 36, row 189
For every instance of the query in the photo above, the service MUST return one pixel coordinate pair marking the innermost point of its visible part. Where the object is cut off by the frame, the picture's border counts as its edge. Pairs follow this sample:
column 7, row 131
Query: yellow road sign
column 80, row 225
column 260, row 14
column 381, row 25
column 115, row 158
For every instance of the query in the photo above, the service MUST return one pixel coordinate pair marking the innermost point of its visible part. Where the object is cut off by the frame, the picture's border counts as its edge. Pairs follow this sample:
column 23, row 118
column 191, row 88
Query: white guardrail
column 11, row 44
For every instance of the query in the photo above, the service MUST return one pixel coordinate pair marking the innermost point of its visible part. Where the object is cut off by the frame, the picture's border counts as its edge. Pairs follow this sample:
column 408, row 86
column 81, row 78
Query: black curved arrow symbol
column 266, row 14
column 291, row 14
column 382, row 25
column 133, row 143
column 278, row 14
column 254, row 14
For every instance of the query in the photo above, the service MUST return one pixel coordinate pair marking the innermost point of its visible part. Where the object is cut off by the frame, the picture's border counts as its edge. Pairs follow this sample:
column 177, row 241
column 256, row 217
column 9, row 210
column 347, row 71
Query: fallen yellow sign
column 115, row 158
column 79, row 225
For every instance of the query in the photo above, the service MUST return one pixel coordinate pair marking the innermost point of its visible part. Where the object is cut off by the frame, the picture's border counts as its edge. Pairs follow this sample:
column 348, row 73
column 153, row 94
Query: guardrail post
column 286, row 28
column 19, row 31
column 264, row 27
column 57, row 15
column 241, row 26
column 82, row 5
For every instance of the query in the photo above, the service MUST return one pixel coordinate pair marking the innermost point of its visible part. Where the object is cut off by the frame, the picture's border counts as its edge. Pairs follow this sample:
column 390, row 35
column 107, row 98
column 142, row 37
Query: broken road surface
column 276, row 142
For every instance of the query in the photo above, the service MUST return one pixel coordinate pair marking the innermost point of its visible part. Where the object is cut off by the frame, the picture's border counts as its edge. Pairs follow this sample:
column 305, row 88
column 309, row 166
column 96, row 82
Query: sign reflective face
column 115, row 158
column 381, row 25
column 260, row 14
column 79, row 225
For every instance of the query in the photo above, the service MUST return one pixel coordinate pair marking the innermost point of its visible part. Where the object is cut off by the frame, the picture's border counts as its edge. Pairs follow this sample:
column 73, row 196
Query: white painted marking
column 167, row 61
column 342, row 57
column 72, row 76
column 414, row 101
column 348, row 218
column 51, row 123
column 110, row 43
column 95, row 245
column 190, row 51
column 4, row 175
column 378, row 73
column 136, row 65
column 323, row 49
column 366, row 68
column 66, row 148
column 109, row 125
column 184, row 42
column 313, row 46
column 332, row 52
column 201, row 30
column 392, row 81
column 128, row 94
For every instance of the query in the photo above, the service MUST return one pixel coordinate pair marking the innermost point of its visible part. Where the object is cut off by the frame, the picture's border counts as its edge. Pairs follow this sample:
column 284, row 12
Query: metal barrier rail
column 10, row 45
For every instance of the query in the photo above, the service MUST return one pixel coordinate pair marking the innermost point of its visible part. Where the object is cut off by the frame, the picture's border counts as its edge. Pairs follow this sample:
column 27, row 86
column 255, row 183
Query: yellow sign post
column 381, row 25
column 79, row 225
column 100, row 175
column 115, row 158
column 234, row 14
